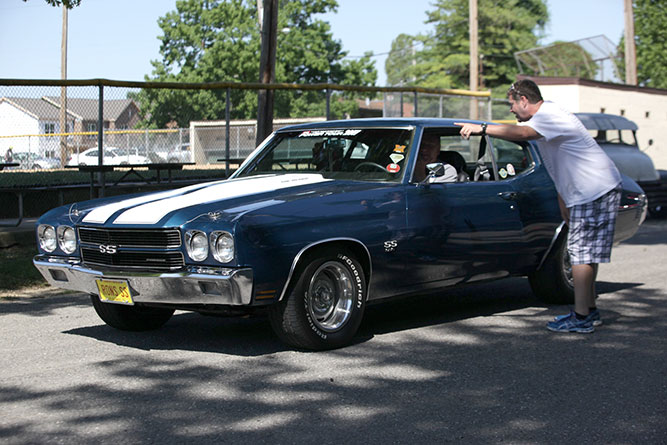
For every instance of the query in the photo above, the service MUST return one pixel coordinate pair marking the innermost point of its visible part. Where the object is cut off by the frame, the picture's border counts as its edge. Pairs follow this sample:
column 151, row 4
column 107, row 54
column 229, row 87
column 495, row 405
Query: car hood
column 226, row 199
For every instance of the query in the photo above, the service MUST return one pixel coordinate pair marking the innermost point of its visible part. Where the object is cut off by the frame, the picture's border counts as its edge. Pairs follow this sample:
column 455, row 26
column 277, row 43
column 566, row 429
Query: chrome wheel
column 326, row 303
column 331, row 293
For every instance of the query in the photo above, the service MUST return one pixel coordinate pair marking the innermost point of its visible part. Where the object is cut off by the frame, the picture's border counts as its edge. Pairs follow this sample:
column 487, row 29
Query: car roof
column 603, row 121
column 378, row 122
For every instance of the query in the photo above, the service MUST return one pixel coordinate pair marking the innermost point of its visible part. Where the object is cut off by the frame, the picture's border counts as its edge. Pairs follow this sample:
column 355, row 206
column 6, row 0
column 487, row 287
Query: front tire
column 553, row 282
column 131, row 318
column 325, row 306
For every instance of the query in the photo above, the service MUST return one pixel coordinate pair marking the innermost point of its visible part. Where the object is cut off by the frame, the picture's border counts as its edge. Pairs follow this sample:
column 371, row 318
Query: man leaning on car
column 588, row 186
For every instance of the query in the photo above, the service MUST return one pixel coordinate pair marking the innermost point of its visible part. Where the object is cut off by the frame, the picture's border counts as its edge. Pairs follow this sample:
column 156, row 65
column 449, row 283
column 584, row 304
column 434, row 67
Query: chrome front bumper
column 198, row 285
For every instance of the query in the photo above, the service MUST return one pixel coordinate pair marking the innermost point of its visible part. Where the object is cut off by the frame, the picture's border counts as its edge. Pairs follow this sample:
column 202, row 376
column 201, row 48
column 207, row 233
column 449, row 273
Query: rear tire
column 553, row 282
column 324, row 308
column 131, row 318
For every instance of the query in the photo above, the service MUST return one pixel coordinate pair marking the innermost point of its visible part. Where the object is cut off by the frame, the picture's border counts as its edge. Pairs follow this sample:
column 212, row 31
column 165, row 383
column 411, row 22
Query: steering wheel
column 370, row 164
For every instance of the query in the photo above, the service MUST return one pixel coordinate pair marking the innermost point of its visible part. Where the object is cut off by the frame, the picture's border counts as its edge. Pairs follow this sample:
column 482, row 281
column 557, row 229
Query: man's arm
column 503, row 131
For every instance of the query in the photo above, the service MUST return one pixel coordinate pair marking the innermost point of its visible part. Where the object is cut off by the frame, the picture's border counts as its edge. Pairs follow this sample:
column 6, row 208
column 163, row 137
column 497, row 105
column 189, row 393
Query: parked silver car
column 32, row 161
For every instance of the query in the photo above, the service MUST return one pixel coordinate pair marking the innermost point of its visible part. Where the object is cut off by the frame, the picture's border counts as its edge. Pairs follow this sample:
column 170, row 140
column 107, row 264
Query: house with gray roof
column 26, row 123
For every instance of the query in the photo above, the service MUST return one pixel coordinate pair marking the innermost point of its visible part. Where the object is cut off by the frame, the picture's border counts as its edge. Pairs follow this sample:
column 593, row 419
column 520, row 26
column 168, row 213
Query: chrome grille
column 154, row 261
column 161, row 239
column 140, row 249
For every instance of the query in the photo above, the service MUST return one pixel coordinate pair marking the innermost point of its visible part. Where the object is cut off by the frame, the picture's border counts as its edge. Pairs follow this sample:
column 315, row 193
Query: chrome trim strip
column 317, row 243
column 553, row 242
column 194, row 286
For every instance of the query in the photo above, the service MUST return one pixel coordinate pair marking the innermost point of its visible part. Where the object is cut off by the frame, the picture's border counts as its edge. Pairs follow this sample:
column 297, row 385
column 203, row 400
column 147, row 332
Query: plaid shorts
column 591, row 229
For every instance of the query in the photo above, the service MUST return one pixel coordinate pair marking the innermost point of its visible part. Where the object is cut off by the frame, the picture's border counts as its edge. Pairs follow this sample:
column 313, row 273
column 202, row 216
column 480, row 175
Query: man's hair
column 526, row 88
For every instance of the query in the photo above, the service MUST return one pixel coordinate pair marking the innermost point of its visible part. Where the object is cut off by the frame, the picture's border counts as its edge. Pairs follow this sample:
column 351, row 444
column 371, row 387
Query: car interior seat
column 456, row 160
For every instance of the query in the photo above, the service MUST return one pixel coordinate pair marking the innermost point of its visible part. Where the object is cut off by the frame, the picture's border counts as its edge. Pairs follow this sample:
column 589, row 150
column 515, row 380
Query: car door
column 463, row 231
column 535, row 198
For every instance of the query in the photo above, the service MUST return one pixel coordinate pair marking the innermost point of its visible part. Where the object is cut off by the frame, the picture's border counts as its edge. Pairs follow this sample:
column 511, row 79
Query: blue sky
column 117, row 39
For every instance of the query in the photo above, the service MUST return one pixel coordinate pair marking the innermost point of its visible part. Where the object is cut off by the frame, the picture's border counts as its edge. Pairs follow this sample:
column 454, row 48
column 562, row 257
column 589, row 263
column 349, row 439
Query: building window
column 622, row 112
column 602, row 110
column 647, row 114
column 49, row 128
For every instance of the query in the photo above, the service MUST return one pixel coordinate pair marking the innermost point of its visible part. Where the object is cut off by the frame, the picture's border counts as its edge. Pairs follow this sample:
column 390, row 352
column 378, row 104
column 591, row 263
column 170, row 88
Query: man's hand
column 468, row 130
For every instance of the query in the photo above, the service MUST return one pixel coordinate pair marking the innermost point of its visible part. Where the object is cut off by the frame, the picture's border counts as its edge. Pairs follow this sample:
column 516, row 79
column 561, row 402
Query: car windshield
column 369, row 154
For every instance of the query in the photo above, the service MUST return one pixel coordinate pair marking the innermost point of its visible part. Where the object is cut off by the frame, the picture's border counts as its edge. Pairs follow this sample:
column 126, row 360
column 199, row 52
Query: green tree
column 650, row 44
column 560, row 59
column 503, row 28
column 218, row 41
column 401, row 61
column 69, row 4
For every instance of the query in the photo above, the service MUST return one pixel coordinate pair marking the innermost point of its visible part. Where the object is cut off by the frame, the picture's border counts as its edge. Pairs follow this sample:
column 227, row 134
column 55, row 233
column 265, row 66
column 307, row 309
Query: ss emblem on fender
column 108, row 248
column 390, row 246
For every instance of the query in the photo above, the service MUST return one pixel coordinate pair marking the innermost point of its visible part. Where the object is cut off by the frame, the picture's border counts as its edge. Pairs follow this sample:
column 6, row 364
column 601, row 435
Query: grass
column 16, row 268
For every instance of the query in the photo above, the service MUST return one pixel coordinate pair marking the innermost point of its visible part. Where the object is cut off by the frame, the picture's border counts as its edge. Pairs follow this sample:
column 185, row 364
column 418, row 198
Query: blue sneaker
column 593, row 316
column 570, row 323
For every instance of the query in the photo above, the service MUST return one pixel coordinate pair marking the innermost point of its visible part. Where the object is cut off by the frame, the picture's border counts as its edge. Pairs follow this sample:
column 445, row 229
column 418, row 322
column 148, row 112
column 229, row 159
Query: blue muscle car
column 320, row 220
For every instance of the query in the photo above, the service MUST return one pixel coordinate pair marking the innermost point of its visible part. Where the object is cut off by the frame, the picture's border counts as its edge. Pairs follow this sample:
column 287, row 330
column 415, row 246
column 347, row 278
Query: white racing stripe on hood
column 101, row 214
column 152, row 212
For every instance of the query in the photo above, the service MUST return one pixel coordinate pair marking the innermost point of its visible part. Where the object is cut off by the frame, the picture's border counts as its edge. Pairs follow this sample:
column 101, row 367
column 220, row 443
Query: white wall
column 13, row 121
column 647, row 109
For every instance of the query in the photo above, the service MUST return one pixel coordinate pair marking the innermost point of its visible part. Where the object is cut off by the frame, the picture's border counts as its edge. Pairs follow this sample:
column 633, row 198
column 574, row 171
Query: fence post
column 328, row 90
column 490, row 110
column 416, row 105
column 100, row 138
column 227, row 132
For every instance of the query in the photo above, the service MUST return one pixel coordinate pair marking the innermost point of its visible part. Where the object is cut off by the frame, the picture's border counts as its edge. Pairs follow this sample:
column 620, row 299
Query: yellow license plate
column 114, row 291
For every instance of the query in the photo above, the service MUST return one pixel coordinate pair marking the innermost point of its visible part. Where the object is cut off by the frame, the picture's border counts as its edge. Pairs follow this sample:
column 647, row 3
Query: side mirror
column 435, row 169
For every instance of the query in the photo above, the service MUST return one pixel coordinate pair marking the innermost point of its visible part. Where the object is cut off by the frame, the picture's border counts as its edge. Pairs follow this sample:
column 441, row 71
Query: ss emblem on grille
column 109, row 248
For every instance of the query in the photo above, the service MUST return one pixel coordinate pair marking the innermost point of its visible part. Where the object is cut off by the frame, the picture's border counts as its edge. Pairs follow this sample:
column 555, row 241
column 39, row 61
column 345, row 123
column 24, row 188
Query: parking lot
column 472, row 364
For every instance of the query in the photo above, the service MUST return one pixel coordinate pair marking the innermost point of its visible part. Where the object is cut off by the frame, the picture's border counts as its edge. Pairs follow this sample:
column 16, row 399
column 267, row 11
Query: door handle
column 509, row 196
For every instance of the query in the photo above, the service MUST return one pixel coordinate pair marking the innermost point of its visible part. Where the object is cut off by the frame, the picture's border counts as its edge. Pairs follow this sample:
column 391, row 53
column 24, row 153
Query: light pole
column 267, row 67
column 63, row 90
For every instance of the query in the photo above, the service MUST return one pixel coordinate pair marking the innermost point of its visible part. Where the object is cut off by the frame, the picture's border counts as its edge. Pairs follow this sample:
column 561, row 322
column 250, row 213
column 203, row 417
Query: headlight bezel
column 196, row 236
column 225, row 254
column 61, row 233
column 47, row 243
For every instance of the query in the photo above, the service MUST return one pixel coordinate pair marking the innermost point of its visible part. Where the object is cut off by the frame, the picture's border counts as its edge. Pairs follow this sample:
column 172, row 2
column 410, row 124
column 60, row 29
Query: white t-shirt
column 581, row 170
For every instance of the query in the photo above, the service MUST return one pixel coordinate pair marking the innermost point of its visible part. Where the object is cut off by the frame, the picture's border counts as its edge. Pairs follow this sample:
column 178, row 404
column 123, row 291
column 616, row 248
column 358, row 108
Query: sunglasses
column 514, row 91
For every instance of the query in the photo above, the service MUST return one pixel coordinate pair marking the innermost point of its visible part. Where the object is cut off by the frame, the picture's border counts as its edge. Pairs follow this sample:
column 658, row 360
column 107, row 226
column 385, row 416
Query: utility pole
column 267, row 66
column 474, row 57
column 630, row 51
column 63, row 90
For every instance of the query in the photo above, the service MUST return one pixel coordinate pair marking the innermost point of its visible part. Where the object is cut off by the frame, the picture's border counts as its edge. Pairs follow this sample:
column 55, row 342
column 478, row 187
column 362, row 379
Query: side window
column 512, row 158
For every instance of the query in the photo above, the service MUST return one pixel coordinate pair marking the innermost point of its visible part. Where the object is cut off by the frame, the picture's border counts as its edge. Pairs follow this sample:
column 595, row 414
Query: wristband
column 484, row 125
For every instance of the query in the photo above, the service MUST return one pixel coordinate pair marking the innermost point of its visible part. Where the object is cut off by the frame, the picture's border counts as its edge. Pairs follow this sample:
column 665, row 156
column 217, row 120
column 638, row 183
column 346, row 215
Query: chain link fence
column 52, row 124
column 51, row 131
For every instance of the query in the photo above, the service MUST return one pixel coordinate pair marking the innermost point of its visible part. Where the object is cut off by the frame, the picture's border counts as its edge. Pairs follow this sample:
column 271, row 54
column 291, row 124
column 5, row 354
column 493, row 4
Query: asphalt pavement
column 470, row 365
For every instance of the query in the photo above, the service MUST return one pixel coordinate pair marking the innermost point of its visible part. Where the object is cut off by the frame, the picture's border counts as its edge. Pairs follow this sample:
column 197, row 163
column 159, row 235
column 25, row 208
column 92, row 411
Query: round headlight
column 196, row 244
column 47, row 237
column 222, row 246
column 66, row 239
